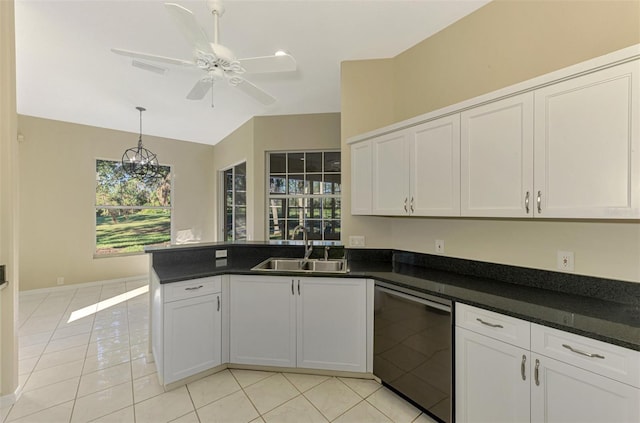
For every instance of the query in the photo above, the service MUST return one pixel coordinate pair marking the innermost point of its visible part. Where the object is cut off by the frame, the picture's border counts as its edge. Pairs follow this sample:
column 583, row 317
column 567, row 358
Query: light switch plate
column 356, row 241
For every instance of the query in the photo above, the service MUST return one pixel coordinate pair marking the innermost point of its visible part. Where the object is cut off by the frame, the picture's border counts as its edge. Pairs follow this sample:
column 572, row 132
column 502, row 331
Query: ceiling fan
column 216, row 60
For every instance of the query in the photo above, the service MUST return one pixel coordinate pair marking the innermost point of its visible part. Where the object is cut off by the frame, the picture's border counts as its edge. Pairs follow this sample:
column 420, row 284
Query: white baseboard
column 84, row 285
column 7, row 400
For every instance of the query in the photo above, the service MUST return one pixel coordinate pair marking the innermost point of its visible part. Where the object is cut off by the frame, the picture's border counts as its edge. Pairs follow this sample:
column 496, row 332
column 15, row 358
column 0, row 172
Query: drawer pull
column 193, row 288
column 592, row 355
column 536, row 373
column 522, row 370
column 526, row 202
column 492, row 325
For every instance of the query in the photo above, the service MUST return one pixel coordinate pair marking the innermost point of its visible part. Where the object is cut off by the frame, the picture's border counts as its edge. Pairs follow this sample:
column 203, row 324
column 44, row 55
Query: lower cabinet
column 565, row 393
column 488, row 388
column 192, row 330
column 510, row 370
column 186, row 327
column 318, row 323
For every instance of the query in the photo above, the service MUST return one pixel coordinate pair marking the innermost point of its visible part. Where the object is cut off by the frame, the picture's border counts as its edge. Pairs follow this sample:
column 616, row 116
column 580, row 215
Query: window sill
column 114, row 255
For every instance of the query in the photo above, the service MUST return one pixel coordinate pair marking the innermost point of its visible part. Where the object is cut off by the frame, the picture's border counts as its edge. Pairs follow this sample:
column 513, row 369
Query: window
column 235, row 202
column 130, row 214
column 304, row 189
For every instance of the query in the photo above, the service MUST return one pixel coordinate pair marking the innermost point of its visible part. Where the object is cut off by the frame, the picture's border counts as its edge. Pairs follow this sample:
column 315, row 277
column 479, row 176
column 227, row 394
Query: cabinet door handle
column 218, row 302
column 539, row 200
column 526, row 202
column 298, row 287
column 292, row 293
column 493, row 325
column 193, row 288
column 536, row 373
column 411, row 204
column 522, row 369
column 405, row 205
column 577, row 351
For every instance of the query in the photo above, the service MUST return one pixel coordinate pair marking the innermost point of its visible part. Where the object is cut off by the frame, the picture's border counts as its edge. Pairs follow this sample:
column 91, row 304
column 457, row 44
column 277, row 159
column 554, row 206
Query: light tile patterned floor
column 94, row 369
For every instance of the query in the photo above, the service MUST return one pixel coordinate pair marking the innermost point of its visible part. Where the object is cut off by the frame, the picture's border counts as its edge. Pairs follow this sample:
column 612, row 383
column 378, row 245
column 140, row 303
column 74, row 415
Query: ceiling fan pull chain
column 212, row 93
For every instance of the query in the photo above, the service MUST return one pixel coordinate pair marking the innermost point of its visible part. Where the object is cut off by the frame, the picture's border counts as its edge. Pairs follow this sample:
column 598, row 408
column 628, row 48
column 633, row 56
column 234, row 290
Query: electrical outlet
column 356, row 241
column 565, row 261
column 60, row 280
column 439, row 246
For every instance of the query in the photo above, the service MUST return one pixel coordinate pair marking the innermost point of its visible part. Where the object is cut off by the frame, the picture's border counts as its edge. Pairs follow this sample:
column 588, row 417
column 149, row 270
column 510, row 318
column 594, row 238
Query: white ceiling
column 66, row 71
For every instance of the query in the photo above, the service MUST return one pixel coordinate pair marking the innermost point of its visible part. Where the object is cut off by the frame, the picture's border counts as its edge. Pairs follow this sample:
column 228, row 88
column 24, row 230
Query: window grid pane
column 304, row 188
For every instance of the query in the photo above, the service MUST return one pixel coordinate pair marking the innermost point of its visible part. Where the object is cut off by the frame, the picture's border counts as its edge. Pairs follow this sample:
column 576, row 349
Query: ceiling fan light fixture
column 139, row 162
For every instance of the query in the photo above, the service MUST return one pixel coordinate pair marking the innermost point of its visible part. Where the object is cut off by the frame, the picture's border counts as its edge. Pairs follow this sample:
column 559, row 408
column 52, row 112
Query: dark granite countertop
column 612, row 314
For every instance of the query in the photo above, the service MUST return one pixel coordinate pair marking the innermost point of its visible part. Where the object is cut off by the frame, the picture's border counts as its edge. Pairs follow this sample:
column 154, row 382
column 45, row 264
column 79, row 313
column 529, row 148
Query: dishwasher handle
column 432, row 304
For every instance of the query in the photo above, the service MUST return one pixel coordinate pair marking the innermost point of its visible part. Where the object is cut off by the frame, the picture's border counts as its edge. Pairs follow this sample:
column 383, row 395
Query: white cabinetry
column 416, row 171
column 585, row 150
column 318, row 323
column 390, row 190
column 492, row 367
column 563, row 145
column 263, row 321
column 559, row 378
column 361, row 172
column 587, row 145
column 187, row 327
column 577, row 379
column 497, row 158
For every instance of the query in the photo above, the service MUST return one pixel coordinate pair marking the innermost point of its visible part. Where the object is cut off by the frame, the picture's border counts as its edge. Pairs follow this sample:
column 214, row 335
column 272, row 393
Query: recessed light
column 281, row 53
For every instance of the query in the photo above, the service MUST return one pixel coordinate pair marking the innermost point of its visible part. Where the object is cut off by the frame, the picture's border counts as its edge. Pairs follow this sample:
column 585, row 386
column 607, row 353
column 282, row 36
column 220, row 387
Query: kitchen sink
column 301, row 265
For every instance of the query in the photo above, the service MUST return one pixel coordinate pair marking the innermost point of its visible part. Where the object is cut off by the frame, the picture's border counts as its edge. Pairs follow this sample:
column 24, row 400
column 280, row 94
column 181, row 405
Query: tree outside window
column 130, row 213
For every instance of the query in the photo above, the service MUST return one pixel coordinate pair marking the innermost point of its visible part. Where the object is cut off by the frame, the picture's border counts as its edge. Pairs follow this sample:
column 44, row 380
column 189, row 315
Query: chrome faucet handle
column 326, row 252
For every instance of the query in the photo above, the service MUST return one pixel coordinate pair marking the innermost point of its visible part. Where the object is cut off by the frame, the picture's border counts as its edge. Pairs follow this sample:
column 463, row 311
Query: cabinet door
column 391, row 174
column 262, row 321
column 361, row 178
column 332, row 324
column 496, row 156
column 568, row 394
column 435, row 167
column 192, row 336
column 587, row 145
column 492, row 380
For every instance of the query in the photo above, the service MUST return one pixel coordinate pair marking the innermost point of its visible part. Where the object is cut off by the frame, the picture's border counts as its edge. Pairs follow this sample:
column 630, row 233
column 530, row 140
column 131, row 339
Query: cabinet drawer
column 618, row 363
column 191, row 288
column 498, row 326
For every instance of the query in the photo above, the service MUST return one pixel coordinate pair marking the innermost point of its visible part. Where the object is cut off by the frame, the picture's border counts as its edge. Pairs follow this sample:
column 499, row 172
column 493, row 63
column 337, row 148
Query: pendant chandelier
column 140, row 162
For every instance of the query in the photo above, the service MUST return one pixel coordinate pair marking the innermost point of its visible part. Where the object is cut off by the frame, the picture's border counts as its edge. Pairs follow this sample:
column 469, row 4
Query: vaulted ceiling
column 66, row 70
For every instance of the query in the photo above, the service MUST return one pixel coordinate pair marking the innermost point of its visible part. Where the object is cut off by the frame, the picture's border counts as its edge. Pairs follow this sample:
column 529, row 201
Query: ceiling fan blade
column 152, row 57
column 189, row 26
column 200, row 89
column 255, row 92
column 268, row 64
column 148, row 67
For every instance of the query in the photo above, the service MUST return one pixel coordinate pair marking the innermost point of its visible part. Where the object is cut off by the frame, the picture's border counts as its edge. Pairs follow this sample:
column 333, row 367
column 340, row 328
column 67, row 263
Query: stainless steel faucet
column 307, row 242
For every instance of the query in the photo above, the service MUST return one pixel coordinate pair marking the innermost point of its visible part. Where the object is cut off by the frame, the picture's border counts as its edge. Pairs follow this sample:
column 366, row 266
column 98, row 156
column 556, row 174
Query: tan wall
column 505, row 42
column 57, row 190
column 9, row 215
column 367, row 102
column 261, row 134
column 502, row 43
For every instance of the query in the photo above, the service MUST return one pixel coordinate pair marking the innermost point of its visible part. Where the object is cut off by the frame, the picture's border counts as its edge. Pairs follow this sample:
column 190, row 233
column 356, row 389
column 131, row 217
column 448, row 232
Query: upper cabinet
column 416, row 171
column 497, row 158
column 587, row 145
column 361, row 178
column 564, row 145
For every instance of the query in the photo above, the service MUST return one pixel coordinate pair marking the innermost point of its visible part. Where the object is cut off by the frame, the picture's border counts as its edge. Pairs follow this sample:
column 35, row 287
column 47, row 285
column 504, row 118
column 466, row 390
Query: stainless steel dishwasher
column 412, row 348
